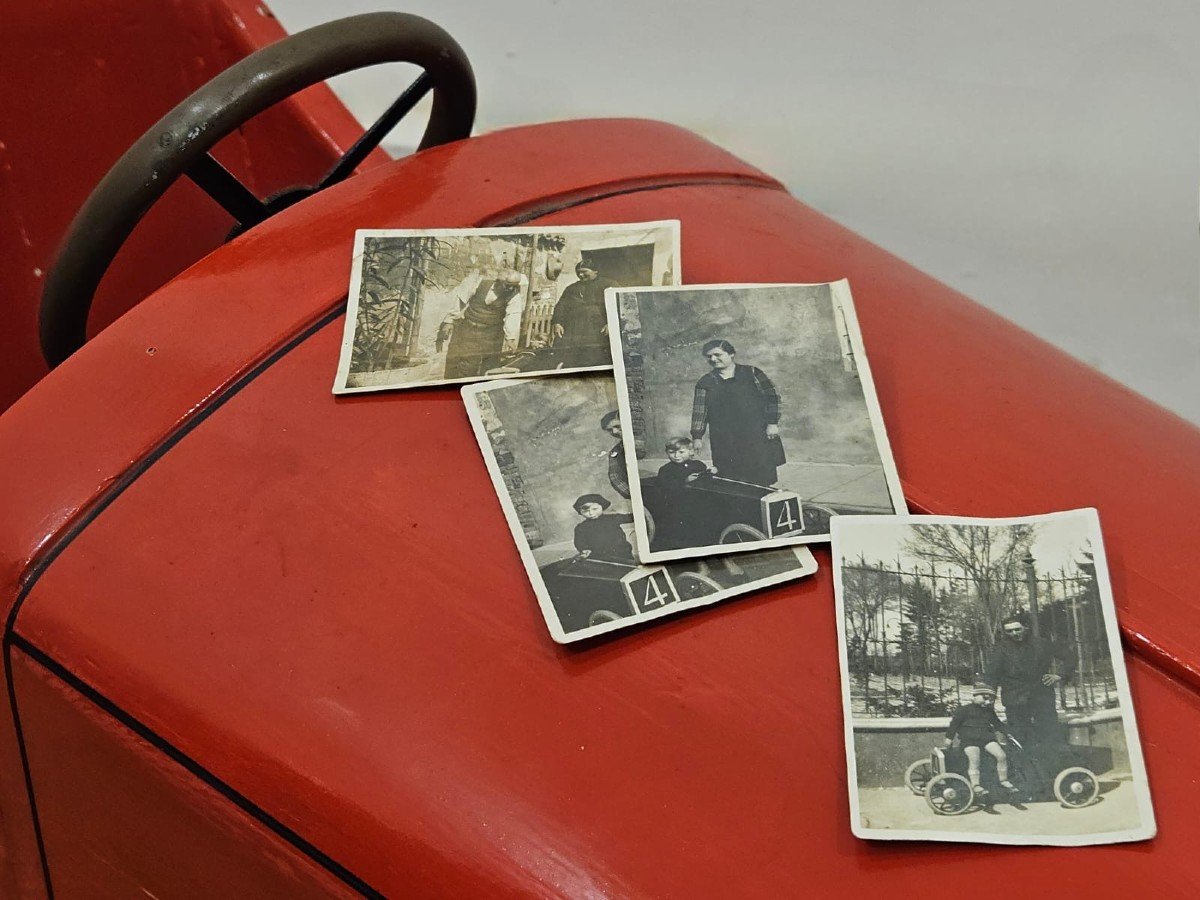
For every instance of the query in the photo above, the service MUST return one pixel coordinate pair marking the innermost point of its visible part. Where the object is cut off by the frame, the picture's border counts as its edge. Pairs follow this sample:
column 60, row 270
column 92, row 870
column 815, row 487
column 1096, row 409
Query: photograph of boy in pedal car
column 983, row 682
column 564, row 491
column 771, row 385
column 975, row 727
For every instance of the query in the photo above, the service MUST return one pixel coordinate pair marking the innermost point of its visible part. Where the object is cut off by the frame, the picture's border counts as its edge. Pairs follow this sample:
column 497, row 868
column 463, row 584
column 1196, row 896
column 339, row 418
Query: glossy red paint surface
column 288, row 597
column 113, row 809
column 120, row 427
column 81, row 80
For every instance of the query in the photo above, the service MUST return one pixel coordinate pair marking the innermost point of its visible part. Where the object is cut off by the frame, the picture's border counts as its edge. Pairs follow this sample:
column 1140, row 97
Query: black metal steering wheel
column 179, row 144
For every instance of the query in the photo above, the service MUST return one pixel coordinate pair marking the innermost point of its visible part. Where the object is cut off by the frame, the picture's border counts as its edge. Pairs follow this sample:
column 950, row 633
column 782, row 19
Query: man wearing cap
column 1027, row 670
column 579, row 326
column 487, row 323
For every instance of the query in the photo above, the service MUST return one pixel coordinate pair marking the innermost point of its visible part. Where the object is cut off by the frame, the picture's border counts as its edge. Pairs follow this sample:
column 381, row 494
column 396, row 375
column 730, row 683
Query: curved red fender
column 313, row 604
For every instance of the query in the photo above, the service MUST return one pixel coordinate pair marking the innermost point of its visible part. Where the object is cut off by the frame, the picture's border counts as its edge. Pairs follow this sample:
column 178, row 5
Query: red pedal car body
column 244, row 657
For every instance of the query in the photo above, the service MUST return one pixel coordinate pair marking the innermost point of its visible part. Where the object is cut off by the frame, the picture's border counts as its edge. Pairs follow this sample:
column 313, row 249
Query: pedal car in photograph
column 587, row 592
column 943, row 781
column 723, row 511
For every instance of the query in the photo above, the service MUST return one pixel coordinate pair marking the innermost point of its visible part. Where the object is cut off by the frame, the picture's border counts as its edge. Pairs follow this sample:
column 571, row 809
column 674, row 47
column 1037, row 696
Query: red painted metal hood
column 316, row 599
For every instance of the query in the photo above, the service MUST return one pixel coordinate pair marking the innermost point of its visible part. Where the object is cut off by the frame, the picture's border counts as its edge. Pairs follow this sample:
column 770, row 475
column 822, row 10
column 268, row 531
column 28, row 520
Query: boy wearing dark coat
column 682, row 518
column 600, row 535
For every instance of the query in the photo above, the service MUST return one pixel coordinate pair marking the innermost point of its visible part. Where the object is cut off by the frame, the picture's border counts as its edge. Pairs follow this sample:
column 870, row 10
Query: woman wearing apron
column 739, row 407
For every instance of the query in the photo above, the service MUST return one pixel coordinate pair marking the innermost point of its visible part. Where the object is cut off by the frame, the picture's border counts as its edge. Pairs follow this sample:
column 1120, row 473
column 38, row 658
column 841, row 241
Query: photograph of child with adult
column 454, row 305
column 748, row 414
column 548, row 444
column 984, row 692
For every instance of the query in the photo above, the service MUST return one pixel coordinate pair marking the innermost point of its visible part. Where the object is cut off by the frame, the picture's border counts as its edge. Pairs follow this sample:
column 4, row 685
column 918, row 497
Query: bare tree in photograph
column 920, row 628
column 990, row 558
column 394, row 275
column 865, row 595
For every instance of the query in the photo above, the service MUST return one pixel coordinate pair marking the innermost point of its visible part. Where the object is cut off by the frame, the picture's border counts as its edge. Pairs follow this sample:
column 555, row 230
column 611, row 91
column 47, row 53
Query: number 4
column 660, row 597
column 786, row 521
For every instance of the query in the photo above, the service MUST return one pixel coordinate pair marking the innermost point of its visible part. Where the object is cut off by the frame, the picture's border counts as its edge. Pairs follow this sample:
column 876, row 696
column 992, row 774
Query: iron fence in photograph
column 917, row 639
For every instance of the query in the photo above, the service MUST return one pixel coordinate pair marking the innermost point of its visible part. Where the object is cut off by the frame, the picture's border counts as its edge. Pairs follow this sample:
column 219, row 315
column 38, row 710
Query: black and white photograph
column 750, row 415
column 553, row 449
column 984, row 688
column 449, row 306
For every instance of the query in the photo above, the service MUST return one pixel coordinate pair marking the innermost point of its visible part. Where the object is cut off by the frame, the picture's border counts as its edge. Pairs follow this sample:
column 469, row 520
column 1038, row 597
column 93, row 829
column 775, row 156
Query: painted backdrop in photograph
column 797, row 337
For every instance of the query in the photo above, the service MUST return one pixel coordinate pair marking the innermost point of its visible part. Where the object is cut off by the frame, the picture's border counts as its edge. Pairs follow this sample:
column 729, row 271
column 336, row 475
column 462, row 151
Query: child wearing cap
column 600, row 535
column 976, row 725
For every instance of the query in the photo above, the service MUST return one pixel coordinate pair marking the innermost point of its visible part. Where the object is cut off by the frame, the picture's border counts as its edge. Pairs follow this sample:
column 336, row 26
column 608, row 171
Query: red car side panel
column 309, row 591
column 122, row 820
column 317, row 601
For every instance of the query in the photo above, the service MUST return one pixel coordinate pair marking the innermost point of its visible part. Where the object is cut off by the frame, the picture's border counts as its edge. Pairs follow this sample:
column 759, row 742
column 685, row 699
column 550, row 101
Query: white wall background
column 1042, row 156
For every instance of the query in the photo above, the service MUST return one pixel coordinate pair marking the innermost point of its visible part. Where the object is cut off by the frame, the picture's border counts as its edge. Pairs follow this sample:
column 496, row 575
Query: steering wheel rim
column 179, row 144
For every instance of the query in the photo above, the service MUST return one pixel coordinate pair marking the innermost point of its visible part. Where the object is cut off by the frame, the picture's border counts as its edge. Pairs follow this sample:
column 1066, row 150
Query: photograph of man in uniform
column 488, row 322
column 579, row 327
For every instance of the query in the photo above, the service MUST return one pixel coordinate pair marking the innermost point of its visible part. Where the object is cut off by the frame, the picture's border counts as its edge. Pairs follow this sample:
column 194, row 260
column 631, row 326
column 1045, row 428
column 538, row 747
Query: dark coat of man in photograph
column 618, row 472
column 1027, row 670
column 488, row 321
column 740, row 408
column 579, row 326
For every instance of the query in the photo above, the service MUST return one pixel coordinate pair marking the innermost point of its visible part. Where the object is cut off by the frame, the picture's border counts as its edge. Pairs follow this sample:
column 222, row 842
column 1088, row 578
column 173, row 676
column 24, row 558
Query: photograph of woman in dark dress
column 798, row 342
column 739, row 407
column 579, row 327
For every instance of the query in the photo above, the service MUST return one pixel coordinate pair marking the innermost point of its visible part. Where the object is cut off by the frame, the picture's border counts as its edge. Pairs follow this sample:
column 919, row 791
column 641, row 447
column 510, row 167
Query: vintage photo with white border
column 552, row 447
column 750, row 416
column 983, row 684
column 454, row 305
